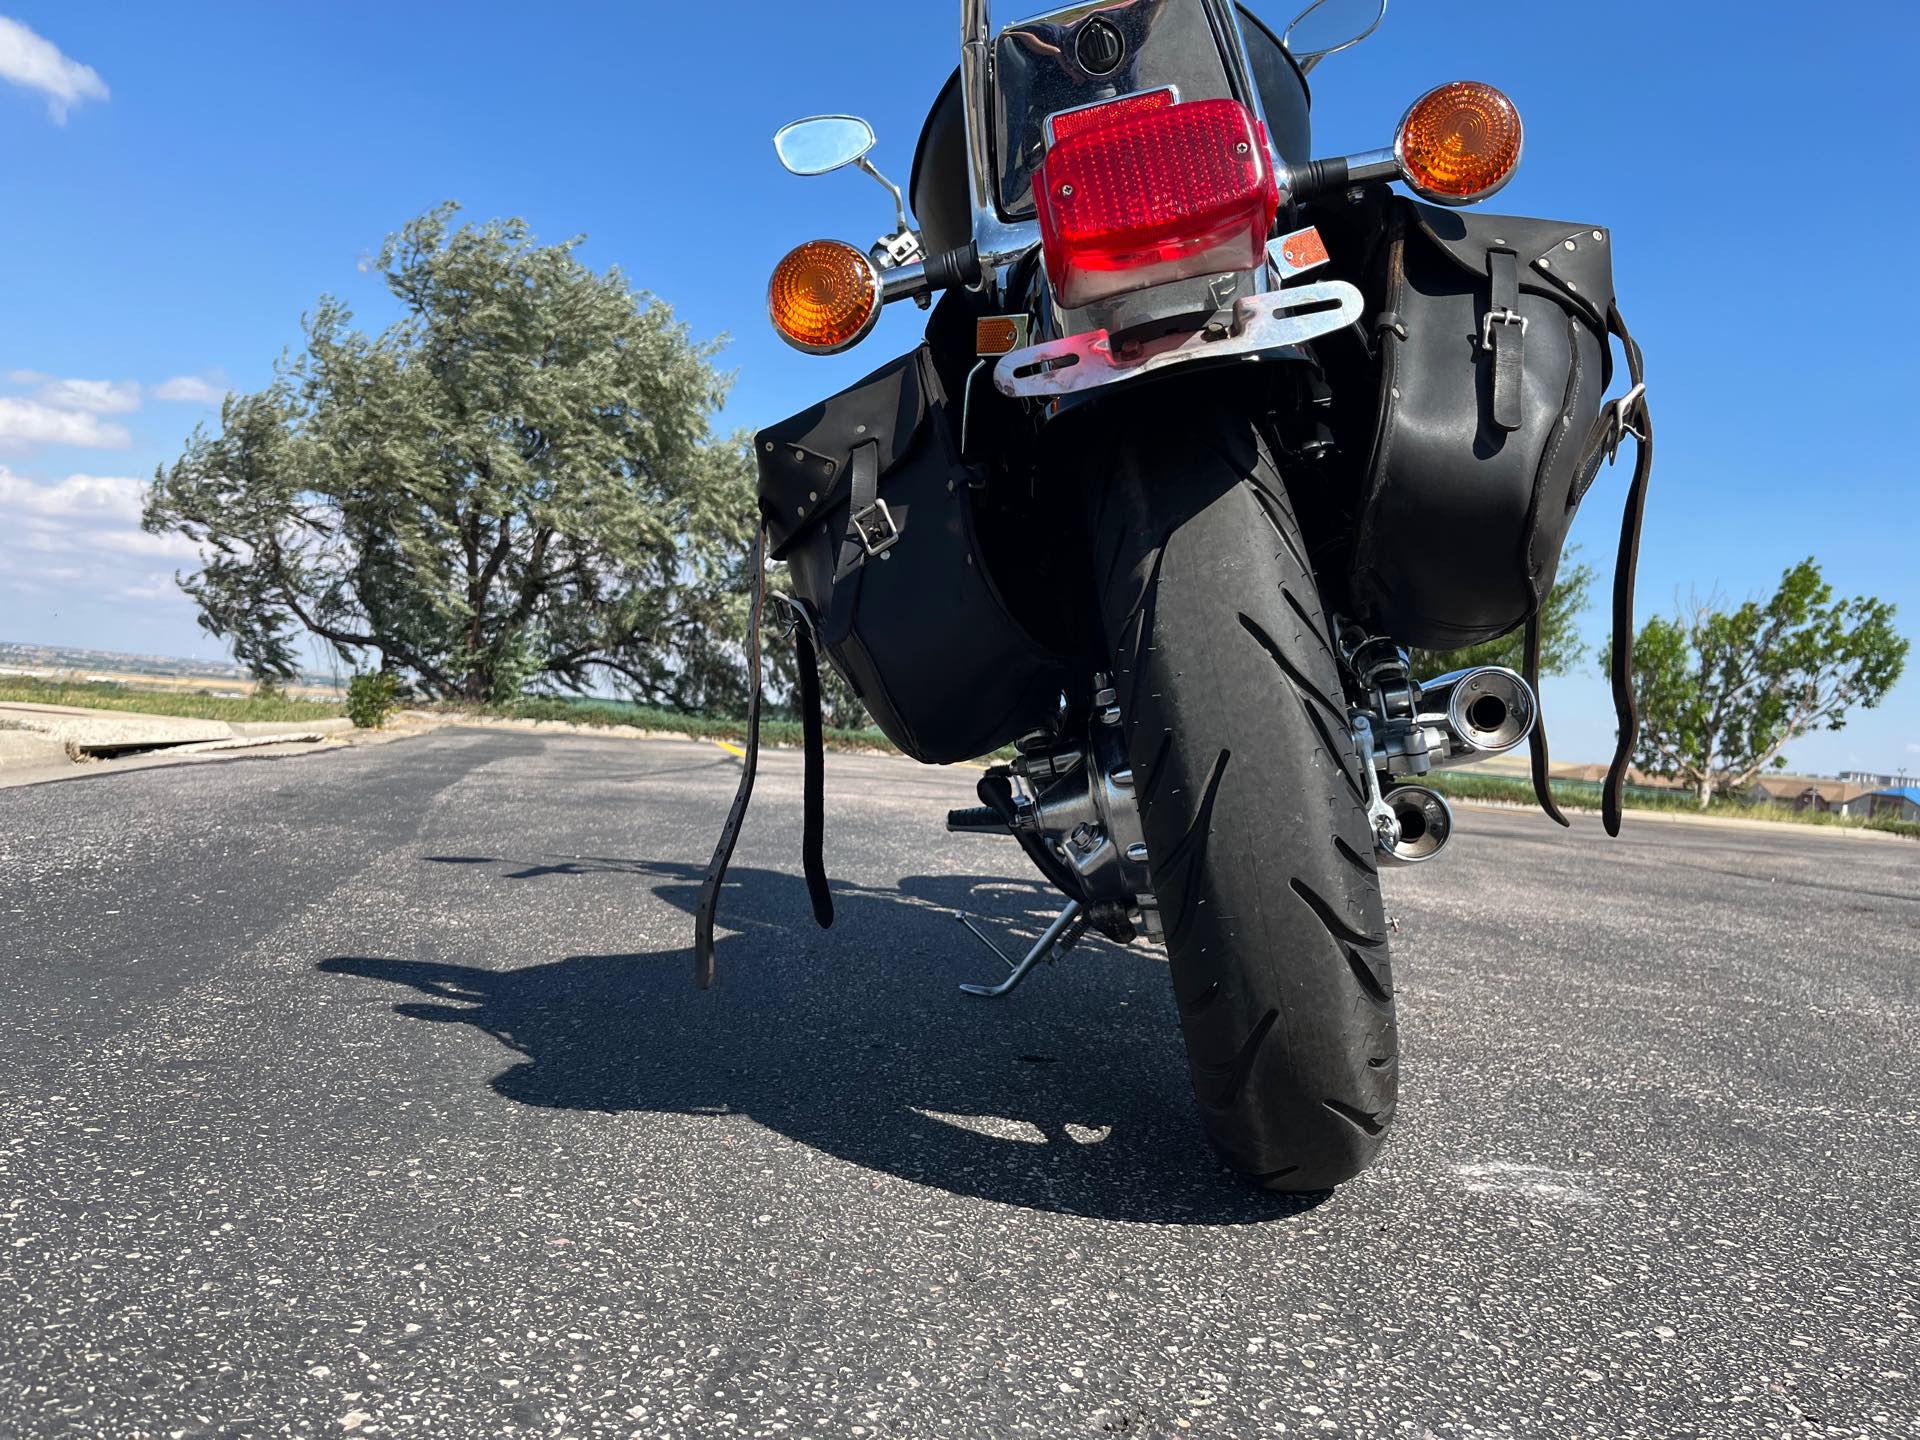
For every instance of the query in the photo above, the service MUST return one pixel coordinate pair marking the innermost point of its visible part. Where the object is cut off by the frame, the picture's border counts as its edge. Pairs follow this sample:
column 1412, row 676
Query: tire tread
column 1249, row 788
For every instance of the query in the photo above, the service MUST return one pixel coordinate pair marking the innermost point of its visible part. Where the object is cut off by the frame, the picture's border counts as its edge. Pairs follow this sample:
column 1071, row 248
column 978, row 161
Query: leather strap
column 813, row 821
column 1507, row 335
column 1633, row 418
column 1542, row 760
column 864, row 491
column 1617, row 421
column 709, row 903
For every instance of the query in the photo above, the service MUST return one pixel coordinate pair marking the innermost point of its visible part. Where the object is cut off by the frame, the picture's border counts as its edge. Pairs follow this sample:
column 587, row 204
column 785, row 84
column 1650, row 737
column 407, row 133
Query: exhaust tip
column 1426, row 825
column 1492, row 710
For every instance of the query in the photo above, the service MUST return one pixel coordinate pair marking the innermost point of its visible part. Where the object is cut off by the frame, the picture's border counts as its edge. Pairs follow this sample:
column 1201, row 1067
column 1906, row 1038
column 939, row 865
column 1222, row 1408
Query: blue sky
column 179, row 182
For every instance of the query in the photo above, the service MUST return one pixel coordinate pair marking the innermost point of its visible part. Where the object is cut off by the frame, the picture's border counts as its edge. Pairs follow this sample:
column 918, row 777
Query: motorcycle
column 1204, row 434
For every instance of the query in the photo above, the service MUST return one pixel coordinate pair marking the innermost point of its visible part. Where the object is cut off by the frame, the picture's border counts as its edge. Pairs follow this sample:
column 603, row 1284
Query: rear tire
column 1251, row 794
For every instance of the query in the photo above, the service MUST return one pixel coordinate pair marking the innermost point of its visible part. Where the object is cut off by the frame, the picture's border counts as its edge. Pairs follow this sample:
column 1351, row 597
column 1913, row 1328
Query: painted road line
column 733, row 750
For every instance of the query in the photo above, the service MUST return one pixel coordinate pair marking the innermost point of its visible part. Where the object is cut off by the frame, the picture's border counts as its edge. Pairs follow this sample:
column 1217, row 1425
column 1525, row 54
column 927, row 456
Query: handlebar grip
column 953, row 268
column 1320, row 177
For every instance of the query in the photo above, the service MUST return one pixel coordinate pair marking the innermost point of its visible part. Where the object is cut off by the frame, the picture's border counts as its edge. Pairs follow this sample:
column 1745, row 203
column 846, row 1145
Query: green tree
column 1724, row 692
column 1561, row 648
column 513, row 486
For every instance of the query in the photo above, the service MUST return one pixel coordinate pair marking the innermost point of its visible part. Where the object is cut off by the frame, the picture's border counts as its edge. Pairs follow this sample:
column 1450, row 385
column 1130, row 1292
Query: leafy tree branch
column 1724, row 692
column 515, row 485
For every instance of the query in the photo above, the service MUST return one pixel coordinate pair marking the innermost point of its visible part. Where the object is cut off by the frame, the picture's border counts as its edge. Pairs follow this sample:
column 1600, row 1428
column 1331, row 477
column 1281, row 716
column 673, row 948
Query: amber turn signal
column 1460, row 143
column 824, row 297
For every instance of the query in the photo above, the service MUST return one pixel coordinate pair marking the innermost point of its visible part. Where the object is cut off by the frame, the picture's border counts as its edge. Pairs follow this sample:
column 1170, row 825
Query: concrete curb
column 291, row 728
column 22, row 748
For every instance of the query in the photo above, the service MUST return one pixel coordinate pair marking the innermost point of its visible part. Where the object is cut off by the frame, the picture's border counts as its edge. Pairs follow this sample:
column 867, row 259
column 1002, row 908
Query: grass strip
column 1585, row 795
column 105, row 695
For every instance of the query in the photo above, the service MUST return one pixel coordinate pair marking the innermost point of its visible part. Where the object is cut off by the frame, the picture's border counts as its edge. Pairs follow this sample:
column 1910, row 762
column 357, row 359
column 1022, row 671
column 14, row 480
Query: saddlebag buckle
column 1620, row 416
column 1500, row 316
column 875, row 528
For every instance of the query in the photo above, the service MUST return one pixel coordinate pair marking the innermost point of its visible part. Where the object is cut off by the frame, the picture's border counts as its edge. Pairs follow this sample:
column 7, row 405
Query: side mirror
column 823, row 143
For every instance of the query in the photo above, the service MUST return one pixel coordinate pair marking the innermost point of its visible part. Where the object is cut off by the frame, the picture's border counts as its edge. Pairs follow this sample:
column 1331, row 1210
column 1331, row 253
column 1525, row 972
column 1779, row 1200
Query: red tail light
column 1069, row 123
column 1152, row 196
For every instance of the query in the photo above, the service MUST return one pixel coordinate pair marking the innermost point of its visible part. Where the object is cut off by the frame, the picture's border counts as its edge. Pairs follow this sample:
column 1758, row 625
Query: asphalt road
column 369, row 1094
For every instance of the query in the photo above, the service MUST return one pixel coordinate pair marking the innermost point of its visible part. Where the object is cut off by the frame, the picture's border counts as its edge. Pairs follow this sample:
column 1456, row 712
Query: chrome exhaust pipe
column 1485, row 712
column 1425, row 824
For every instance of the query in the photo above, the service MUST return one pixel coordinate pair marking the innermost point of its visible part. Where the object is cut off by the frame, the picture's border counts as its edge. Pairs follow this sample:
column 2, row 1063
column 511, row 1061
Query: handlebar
column 947, row 270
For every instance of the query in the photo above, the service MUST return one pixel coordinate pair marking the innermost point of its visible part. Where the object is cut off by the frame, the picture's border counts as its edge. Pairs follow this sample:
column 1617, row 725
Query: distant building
column 1877, row 782
column 1806, row 792
column 1896, row 804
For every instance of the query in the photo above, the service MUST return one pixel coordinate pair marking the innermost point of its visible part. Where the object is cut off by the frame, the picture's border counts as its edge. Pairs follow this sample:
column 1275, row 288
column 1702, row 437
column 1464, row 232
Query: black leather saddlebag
column 1494, row 353
column 865, row 497
column 1494, row 356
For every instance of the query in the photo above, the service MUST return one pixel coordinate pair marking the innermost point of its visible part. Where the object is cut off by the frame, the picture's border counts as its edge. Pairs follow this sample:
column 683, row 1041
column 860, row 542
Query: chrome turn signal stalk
column 1457, row 145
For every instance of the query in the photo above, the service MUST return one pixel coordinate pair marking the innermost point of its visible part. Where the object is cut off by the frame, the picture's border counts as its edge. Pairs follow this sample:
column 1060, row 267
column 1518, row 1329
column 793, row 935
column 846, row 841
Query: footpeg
column 976, row 820
column 1060, row 937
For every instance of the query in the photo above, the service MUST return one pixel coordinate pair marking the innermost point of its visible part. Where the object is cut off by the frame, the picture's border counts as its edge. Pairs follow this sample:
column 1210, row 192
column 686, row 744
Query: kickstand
column 1061, row 936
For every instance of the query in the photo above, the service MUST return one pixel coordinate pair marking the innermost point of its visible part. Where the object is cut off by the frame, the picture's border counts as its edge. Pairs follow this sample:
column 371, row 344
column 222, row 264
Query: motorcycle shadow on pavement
column 1072, row 1096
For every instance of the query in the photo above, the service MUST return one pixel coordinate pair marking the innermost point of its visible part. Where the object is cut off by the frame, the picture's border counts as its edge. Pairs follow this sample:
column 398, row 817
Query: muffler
column 1486, row 712
column 1425, row 824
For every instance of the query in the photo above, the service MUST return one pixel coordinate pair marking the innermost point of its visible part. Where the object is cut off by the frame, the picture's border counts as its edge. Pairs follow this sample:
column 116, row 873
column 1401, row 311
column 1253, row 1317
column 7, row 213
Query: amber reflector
column 824, row 297
column 1460, row 143
column 996, row 335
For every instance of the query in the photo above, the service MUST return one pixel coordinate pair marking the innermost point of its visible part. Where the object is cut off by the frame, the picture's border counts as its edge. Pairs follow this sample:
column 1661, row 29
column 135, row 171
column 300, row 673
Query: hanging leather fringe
column 709, row 904
column 813, row 822
column 1542, row 761
column 1633, row 419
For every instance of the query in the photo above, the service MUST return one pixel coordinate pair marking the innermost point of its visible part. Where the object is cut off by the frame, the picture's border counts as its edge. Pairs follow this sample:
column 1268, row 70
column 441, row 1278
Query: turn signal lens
column 824, row 297
column 1460, row 143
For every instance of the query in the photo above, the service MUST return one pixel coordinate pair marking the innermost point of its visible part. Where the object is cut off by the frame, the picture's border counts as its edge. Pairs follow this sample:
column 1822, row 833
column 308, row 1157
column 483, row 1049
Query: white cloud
column 192, row 390
column 81, row 538
column 34, row 63
column 155, row 588
column 96, row 498
column 138, row 542
column 96, row 397
column 33, row 422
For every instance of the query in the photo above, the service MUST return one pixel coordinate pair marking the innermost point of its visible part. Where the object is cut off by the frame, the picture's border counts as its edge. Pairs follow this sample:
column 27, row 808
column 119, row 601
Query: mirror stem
column 899, row 201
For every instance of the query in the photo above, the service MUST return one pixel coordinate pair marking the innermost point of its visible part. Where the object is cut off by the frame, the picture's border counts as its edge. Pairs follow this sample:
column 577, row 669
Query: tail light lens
column 1460, row 143
column 1069, row 123
column 824, row 297
column 1152, row 195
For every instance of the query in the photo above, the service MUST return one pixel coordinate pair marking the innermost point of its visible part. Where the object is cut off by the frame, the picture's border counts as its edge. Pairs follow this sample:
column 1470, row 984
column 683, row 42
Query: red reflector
column 1160, row 195
column 1069, row 123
